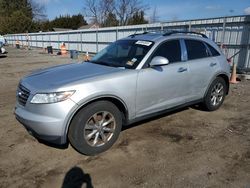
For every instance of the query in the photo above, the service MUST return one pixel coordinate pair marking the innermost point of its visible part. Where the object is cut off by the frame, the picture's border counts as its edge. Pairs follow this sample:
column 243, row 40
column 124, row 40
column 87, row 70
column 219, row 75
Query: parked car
column 3, row 52
column 134, row 78
column 3, row 40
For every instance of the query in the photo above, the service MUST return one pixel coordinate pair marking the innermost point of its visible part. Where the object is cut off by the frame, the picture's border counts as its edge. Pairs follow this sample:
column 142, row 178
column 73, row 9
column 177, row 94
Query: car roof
column 154, row 37
column 158, row 37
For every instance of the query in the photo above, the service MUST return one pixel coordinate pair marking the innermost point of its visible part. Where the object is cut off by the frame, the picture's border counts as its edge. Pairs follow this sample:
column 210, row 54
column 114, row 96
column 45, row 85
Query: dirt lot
column 186, row 148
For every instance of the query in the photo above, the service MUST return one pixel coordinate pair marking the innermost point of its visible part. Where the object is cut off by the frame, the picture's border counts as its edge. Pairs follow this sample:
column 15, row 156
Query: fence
column 233, row 32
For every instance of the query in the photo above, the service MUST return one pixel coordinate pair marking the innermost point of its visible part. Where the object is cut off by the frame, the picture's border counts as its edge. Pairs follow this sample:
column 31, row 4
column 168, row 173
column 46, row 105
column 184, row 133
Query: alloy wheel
column 99, row 128
column 217, row 94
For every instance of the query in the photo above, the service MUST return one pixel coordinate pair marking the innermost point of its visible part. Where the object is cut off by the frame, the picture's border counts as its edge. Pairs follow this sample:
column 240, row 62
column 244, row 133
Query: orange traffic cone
column 86, row 56
column 63, row 49
column 233, row 79
column 17, row 44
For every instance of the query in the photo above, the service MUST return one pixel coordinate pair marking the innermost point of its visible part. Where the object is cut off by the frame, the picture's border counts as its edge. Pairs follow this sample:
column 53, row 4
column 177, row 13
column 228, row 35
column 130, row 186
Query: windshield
column 123, row 53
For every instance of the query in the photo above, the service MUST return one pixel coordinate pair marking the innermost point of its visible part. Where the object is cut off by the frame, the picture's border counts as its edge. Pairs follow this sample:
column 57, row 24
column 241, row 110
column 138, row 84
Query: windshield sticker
column 134, row 60
column 144, row 43
column 131, row 62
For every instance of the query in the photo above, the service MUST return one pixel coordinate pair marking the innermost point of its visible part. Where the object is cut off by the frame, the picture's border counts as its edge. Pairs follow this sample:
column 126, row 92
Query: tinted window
column 213, row 51
column 170, row 50
column 196, row 49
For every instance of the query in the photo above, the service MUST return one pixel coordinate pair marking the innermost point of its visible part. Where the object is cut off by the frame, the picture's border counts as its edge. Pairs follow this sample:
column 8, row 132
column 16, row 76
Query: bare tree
column 106, row 8
column 154, row 17
column 126, row 8
column 99, row 10
column 123, row 10
column 91, row 9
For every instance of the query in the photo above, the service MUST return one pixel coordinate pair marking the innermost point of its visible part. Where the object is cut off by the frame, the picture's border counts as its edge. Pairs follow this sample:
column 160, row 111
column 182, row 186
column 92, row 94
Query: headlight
column 45, row 98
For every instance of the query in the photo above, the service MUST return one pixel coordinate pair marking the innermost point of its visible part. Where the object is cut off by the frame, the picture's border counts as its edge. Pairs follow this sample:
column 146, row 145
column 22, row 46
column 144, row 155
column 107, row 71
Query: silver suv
column 134, row 78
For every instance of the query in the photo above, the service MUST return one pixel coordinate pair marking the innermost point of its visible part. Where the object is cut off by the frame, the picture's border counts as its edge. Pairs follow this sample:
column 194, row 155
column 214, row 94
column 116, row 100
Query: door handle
column 213, row 64
column 182, row 69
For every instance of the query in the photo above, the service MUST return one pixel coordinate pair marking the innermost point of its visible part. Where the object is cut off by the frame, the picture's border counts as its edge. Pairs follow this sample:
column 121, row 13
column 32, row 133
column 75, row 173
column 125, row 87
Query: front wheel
column 95, row 128
column 215, row 94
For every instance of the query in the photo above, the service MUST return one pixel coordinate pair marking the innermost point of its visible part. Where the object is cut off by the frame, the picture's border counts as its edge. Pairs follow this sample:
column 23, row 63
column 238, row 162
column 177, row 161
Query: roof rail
column 133, row 35
column 185, row 32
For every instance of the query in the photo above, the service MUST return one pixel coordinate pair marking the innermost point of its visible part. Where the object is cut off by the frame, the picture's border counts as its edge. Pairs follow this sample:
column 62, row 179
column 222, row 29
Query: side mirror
column 158, row 61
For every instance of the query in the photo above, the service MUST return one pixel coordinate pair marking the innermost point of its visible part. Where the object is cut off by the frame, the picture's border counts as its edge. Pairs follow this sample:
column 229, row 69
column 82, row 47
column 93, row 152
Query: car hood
column 56, row 77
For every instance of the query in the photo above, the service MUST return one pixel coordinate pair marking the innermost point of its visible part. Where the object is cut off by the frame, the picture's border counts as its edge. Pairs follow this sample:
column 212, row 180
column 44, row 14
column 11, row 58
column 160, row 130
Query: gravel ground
column 185, row 148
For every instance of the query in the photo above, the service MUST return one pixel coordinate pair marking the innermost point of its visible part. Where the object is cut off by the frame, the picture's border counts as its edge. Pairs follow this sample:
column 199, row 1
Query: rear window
column 196, row 49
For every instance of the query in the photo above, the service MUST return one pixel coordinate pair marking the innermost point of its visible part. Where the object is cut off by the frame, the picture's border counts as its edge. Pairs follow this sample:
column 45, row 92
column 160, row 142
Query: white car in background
column 2, row 40
column 2, row 43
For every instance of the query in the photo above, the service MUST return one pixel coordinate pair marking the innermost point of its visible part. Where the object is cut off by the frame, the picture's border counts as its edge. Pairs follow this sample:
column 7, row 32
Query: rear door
column 202, row 67
column 162, row 87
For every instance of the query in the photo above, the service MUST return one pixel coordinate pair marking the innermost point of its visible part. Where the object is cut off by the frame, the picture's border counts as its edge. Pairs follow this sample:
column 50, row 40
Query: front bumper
column 46, row 122
column 58, row 140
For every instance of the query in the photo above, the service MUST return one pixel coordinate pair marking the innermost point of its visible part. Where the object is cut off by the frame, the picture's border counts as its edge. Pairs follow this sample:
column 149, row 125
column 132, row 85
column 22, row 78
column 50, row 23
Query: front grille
column 22, row 94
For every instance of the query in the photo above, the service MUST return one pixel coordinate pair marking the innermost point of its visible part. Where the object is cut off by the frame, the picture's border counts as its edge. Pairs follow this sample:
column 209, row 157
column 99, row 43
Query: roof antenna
column 133, row 35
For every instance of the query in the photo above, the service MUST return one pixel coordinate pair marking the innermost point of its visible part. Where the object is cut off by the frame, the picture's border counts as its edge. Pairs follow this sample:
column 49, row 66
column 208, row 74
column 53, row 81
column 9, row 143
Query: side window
column 170, row 50
column 213, row 51
column 196, row 49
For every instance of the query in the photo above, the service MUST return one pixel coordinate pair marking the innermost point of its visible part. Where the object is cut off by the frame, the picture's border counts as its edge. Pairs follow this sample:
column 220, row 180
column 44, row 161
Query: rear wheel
column 95, row 128
column 215, row 94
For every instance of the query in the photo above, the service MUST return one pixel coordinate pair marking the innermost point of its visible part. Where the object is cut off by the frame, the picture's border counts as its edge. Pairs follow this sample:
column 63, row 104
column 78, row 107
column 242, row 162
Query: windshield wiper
column 100, row 63
column 105, row 63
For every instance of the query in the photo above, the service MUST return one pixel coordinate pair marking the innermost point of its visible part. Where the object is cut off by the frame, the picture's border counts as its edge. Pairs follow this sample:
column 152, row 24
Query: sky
column 166, row 9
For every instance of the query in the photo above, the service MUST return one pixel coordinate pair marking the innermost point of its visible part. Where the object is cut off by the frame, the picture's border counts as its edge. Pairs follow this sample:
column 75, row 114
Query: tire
column 95, row 128
column 215, row 94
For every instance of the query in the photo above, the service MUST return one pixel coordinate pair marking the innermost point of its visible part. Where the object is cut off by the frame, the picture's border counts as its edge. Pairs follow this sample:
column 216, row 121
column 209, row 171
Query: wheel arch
column 226, row 79
column 118, row 102
column 222, row 75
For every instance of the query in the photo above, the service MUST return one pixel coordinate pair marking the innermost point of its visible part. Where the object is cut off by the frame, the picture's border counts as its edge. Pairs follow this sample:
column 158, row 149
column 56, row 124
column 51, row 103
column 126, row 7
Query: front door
column 163, row 87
